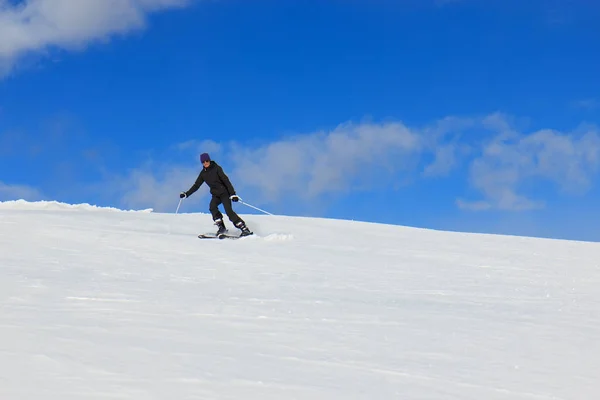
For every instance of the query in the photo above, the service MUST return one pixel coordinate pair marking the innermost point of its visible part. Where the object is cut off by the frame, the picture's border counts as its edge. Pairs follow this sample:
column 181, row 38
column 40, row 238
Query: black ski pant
column 216, row 214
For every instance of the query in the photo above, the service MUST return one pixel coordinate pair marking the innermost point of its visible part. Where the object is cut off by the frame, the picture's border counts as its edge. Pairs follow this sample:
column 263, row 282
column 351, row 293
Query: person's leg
column 214, row 208
column 233, row 217
column 216, row 214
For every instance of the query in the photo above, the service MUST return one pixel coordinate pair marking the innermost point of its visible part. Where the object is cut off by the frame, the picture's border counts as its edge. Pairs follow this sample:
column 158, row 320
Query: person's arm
column 195, row 186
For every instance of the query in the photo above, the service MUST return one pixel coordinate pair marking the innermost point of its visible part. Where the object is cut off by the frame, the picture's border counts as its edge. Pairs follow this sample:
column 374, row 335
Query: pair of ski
column 221, row 236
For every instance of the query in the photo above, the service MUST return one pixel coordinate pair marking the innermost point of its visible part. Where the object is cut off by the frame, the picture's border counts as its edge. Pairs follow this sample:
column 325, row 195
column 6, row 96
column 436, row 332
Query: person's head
column 205, row 159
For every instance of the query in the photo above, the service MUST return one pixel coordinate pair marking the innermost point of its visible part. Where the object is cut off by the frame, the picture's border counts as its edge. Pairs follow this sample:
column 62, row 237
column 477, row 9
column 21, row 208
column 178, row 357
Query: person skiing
column 222, row 192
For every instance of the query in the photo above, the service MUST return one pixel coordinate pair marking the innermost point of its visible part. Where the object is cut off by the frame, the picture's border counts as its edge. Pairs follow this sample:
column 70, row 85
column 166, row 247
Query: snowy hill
column 98, row 303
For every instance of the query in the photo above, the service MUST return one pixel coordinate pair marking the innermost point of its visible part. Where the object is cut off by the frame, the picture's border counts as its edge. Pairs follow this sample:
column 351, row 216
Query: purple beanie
column 204, row 157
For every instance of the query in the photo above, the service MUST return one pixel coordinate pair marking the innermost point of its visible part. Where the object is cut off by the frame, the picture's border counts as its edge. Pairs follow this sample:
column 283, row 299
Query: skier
column 222, row 193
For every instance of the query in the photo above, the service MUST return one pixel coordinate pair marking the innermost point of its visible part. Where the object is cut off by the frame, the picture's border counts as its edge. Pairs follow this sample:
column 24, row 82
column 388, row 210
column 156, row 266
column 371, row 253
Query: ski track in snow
column 101, row 304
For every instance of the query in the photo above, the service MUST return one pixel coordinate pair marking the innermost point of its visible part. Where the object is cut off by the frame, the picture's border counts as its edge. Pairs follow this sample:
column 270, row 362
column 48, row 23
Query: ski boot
column 241, row 225
column 222, row 229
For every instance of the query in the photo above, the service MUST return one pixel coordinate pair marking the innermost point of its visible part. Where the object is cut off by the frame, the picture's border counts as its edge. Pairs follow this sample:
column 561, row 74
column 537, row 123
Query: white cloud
column 208, row 146
column 18, row 192
column 446, row 141
column 367, row 156
column 308, row 166
column 445, row 159
column 33, row 26
column 513, row 160
column 505, row 164
column 352, row 156
column 154, row 186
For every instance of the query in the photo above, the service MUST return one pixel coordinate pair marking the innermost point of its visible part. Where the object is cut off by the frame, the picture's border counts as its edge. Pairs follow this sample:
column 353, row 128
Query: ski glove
column 234, row 197
column 182, row 195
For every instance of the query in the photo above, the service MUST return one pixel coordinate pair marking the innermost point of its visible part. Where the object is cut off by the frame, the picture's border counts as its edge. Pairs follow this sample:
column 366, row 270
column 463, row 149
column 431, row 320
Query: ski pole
column 176, row 211
column 256, row 208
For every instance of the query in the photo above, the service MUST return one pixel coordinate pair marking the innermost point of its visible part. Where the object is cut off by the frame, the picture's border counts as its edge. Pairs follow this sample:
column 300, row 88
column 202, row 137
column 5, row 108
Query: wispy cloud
column 513, row 160
column 349, row 156
column 34, row 26
column 352, row 156
column 153, row 185
column 504, row 162
column 18, row 192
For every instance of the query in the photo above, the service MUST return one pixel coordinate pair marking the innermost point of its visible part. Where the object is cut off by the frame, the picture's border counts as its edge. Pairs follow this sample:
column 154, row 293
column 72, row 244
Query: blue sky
column 465, row 115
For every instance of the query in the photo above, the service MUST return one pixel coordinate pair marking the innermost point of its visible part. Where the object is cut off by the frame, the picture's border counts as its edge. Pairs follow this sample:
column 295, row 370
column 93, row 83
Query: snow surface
column 101, row 304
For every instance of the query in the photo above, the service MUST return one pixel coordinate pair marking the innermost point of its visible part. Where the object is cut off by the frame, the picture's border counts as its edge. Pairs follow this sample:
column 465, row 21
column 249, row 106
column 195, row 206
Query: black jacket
column 216, row 179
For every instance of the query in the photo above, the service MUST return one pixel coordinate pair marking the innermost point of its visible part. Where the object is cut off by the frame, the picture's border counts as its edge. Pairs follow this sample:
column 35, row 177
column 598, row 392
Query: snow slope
column 98, row 303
